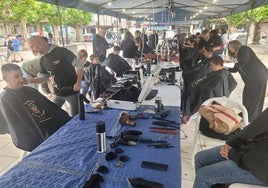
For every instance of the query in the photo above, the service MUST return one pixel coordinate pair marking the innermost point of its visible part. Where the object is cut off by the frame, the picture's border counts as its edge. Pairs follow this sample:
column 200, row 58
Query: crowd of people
column 65, row 75
column 193, row 54
column 206, row 77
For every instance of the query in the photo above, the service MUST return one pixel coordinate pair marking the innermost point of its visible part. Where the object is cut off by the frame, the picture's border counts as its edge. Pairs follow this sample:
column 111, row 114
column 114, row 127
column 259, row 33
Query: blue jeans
column 211, row 168
column 85, row 89
column 72, row 101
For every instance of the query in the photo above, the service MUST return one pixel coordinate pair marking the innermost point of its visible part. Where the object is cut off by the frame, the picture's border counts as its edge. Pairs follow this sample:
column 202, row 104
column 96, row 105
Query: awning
column 162, row 10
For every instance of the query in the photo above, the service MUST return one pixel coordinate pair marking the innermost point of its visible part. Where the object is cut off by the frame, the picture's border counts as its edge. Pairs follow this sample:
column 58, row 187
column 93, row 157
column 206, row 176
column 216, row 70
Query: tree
column 16, row 12
column 48, row 13
column 257, row 16
column 23, row 12
column 77, row 18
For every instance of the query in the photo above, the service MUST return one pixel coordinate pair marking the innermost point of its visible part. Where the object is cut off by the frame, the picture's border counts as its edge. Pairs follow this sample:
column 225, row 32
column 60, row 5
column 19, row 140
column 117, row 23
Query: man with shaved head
column 27, row 115
column 64, row 69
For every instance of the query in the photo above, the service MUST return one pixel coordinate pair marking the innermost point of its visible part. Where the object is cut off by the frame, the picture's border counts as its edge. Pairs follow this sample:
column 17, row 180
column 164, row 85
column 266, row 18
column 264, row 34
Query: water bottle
column 101, row 137
column 81, row 107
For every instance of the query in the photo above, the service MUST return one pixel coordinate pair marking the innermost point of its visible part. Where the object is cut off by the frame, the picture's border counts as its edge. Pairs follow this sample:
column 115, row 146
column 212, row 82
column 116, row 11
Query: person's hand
column 77, row 87
column 225, row 150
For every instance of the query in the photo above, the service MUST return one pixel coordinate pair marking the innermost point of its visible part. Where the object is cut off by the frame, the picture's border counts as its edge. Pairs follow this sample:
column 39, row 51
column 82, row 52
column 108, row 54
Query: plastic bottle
column 101, row 137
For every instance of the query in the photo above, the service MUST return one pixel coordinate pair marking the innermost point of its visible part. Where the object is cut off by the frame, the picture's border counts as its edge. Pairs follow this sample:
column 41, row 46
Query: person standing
column 224, row 38
column 92, row 77
column 128, row 45
column 63, row 68
column 254, row 75
column 9, row 46
column 153, row 40
column 233, row 34
column 100, row 45
column 16, row 50
column 50, row 38
column 83, row 55
column 211, row 39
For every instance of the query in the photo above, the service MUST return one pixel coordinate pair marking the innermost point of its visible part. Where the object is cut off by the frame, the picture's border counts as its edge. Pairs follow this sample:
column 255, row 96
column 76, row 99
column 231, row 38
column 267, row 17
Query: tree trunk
column 7, row 29
column 257, row 33
column 78, row 35
column 55, row 34
column 23, row 27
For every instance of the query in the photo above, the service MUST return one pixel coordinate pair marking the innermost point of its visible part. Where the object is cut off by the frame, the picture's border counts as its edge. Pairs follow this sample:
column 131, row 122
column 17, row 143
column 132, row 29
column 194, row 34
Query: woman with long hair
column 253, row 73
column 128, row 45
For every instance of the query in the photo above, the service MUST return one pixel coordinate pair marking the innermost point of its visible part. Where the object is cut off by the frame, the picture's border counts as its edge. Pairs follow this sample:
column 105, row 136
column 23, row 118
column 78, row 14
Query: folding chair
column 199, row 138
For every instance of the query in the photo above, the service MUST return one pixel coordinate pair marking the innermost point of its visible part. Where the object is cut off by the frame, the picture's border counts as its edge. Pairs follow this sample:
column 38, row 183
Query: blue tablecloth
column 68, row 158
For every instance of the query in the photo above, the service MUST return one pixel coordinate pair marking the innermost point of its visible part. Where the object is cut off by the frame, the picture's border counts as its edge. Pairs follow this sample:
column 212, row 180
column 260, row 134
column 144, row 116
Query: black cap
column 100, row 127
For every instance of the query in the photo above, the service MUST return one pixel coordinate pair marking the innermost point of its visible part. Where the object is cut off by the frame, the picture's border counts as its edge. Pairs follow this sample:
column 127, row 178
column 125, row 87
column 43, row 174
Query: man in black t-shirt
column 64, row 69
column 25, row 113
column 211, row 39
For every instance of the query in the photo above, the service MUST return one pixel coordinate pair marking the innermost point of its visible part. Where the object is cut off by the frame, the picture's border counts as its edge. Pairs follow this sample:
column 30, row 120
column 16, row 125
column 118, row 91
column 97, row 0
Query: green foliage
column 5, row 8
column 21, row 10
column 47, row 12
column 34, row 12
column 74, row 17
column 258, row 15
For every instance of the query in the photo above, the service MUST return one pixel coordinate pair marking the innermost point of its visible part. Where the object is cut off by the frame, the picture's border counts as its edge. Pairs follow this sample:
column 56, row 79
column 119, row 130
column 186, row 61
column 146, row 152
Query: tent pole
column 59, row 17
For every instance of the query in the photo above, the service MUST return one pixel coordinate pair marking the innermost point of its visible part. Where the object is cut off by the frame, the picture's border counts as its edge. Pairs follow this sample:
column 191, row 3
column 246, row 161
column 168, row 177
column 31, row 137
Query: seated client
column 243, row 158
column 25, row 113
column 218, row 83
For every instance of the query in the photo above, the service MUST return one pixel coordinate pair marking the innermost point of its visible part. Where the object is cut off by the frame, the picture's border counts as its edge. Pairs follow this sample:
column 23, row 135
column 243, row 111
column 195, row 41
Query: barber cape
column 192, row 74
column 196, row 72
column 216, row 84
column 29, row 117
column 117, row 64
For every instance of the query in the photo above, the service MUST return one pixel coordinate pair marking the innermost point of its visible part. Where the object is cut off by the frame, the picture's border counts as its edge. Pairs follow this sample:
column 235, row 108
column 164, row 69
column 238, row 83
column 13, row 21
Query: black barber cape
column 29, row 117
column 192, row 74
column 58, row 65
column 216, row 84
column 117, row 64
